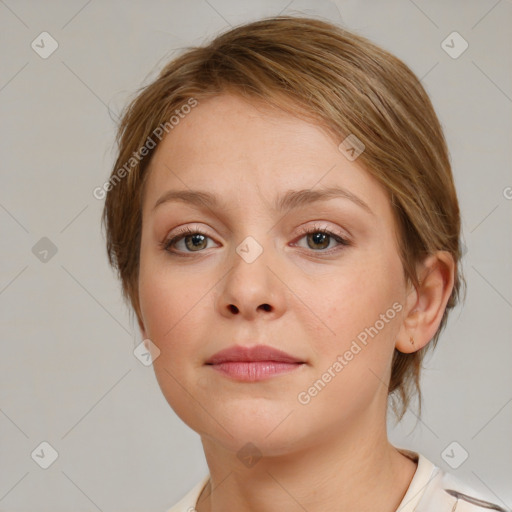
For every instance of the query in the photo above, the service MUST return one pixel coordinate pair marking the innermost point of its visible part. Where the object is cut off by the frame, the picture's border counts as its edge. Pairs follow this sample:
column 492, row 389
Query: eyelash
column 187, row 231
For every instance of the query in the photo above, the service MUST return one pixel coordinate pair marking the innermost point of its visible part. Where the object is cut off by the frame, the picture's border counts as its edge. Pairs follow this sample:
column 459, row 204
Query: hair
column 325, row 74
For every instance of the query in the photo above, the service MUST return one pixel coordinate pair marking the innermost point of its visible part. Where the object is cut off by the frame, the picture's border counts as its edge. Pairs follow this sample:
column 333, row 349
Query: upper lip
column 255, row 353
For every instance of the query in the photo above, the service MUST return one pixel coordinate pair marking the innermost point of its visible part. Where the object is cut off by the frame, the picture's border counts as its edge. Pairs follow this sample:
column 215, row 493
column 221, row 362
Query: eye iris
column 197, row 241
column 319, row 238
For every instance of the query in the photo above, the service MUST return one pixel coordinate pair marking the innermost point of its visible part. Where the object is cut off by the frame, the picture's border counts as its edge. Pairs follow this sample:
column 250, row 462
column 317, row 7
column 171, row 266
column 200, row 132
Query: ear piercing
column 411, row 339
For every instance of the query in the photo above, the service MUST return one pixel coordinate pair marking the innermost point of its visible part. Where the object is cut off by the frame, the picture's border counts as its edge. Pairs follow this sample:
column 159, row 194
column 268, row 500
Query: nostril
column 266, row 307
column 233, row 308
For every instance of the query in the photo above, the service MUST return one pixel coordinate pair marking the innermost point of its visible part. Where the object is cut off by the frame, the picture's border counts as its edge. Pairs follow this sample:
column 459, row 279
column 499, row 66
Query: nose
column 252, row 288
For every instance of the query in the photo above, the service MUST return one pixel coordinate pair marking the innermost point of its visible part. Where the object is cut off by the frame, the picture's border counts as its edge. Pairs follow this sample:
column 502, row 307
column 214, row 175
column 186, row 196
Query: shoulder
column 446, row 491
column 189, row 500
column 434, row 490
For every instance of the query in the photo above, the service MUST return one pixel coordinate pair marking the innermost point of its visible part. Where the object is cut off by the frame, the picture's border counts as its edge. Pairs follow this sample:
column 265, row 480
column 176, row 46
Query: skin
column 308, row 299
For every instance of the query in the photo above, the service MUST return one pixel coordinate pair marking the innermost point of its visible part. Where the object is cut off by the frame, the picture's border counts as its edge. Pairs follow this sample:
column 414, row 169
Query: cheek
column 355, row 298
column 166, row 298
column 352, row 366
column 173, row 305
column 361, row 315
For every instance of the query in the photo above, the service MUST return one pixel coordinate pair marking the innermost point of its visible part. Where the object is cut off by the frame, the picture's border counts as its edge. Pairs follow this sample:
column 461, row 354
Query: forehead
column 231, row 146
column 230, row 128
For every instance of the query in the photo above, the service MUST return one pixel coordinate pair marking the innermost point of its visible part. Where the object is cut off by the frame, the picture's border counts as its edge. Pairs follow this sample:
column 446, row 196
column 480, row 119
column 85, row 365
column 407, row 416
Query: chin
column 234, row 425
column 251, row 442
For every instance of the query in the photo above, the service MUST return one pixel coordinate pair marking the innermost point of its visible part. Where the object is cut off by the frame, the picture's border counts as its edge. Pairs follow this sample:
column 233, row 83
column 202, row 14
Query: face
column 318, row 277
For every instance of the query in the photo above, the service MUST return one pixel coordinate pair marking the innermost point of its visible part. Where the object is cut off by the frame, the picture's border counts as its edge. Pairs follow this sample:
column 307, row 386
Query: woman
column 284, row 221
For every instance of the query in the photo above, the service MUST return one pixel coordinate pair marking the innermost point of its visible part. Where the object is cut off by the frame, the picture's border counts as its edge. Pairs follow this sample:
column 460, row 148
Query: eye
column 193, row 239
column 318, row 238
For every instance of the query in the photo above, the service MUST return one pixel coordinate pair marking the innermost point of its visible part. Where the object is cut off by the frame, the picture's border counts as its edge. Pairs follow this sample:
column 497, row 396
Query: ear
column 426, row 304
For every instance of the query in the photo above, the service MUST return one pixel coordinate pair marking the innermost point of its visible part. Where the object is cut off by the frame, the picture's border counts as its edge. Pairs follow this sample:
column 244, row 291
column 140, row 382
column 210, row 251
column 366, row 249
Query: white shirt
column 430, row 490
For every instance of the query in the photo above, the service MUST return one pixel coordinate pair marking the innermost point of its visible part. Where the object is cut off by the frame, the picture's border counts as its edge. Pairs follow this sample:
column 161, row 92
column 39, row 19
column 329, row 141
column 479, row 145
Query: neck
column 330, row 473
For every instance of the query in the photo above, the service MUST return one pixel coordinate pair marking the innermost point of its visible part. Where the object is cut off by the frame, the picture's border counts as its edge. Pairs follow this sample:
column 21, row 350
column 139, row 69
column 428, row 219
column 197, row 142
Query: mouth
column 253, row 364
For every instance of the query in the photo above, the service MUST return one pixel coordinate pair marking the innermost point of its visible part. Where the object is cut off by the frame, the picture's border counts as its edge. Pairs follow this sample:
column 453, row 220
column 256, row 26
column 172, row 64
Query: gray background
column 67, row 370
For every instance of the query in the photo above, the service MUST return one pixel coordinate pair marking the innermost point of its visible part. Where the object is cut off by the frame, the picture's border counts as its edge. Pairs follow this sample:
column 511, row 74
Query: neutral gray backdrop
column 68, row 373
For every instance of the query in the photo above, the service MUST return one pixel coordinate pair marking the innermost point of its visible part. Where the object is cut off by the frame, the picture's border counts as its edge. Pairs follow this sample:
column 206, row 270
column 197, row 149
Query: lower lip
column 255, row 370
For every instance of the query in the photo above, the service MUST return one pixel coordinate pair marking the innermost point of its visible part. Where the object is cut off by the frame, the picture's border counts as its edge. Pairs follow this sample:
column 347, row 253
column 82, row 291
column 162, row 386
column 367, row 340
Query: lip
column 258, row 353
column 251, row 364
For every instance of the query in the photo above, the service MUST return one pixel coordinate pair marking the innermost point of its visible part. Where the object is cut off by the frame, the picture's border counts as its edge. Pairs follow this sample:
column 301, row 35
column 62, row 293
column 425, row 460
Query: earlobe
column 427, row 303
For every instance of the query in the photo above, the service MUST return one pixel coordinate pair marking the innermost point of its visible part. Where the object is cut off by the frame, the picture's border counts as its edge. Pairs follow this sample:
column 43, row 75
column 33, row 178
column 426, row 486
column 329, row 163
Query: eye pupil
column 319, row 238
column 198, row 239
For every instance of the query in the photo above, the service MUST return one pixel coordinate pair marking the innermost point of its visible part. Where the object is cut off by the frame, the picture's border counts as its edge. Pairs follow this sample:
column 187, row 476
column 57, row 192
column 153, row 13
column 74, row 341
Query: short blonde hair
column 323, row 73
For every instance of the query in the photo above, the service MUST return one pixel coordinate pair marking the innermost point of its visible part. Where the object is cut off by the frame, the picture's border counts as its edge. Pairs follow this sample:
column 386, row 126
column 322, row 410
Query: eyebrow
column 292, row 199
